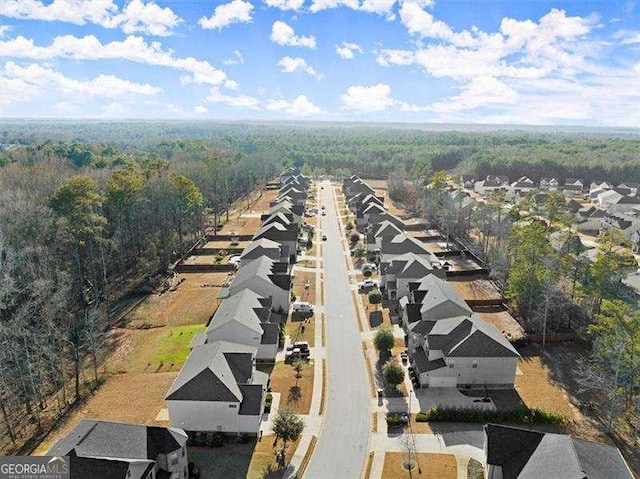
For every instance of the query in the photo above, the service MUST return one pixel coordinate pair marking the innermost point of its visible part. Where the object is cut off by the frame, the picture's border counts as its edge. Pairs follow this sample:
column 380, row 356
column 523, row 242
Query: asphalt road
column 343, row 443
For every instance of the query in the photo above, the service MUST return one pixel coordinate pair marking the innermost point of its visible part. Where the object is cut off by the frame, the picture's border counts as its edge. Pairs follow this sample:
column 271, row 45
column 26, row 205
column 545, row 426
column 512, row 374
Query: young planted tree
column 298, row 366
column 384, row 340
column 375, row 298
column 393, row 374
column 287, row 427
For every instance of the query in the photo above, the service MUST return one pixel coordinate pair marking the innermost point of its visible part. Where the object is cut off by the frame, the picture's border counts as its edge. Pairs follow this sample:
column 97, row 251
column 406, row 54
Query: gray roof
column 212, row 372
column 469, row 337
column 400, row 244
column 261, row 268
column 240, row 309
column 441, row 297
column 387, row 228
column 106, row 439
column 411, row 265
column 525, row 454
column 261, row 243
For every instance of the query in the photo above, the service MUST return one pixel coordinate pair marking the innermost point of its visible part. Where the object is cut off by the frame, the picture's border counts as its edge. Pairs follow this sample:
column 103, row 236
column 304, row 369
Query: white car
column 302, row 307
column 235, row 260
column 367, row 285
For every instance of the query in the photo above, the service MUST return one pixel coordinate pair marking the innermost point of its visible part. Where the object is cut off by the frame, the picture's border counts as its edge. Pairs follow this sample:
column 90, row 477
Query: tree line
column 84, row 228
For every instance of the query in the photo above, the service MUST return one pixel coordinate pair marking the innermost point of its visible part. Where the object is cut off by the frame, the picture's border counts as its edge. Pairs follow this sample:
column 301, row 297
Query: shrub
column 367, row 273
column 375, row 297
column 354, row 238
column 517, row 416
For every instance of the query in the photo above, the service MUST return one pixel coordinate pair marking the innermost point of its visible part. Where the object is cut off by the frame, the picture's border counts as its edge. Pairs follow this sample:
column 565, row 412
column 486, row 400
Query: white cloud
column 22, row 84
column 238, row 60
column 482, row 91
column 285, row 4
column 379, row 7
column 417, row 21
column 283, row 34
column 137, row 16
column 387, row 57
column 367, row 99
column 4, row 29
column 241, row 101
column 200, row 109
column 147, row 18
column 290, row 65
column 299, row 106
column 133, row 49
column 624, row 37
column 237, row 11
column 346, row 50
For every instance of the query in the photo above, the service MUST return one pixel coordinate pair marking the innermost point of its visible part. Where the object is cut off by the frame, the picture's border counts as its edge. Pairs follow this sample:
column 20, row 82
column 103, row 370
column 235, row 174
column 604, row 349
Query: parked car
column 298, row 350
column 367, row 285
column 369, row 267
column 302, row 307
column 404, row 357
column 234, row 259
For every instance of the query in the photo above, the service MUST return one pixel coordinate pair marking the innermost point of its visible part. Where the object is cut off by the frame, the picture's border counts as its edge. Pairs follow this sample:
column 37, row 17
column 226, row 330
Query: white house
column 259, row 276
column 244, row 318
column 218, row 389
column 105, row 449
column 461, row 351
column 407, row 268
column 430, row 300
column 607, row 198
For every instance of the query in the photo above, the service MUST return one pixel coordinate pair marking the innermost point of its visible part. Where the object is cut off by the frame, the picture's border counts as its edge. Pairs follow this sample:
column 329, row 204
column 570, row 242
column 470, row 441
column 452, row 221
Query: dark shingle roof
column 252, row 400
column 270, row 334
column 422, row 362
column 85, row 467
column 210, row 373
column 93, row 438
column 525, row 454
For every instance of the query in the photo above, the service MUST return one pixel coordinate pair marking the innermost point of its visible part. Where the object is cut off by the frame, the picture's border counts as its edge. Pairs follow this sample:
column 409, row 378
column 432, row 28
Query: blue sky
column 521, row 62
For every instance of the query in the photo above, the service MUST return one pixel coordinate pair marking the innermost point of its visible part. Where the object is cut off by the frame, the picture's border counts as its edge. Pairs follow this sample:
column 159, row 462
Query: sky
column 525, row 62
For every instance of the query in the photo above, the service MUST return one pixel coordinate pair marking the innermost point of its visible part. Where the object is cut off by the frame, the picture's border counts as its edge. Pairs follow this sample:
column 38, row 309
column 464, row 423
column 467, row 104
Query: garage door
column 446, row 382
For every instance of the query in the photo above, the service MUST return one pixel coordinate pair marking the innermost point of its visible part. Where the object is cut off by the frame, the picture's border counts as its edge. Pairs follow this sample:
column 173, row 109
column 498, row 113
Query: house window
column 451, row 365
column 233, row 406
column 474, row 364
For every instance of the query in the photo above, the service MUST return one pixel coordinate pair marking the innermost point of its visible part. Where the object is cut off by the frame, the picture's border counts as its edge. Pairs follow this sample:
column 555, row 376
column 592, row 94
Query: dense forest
column 366, row 149
column 93, row 213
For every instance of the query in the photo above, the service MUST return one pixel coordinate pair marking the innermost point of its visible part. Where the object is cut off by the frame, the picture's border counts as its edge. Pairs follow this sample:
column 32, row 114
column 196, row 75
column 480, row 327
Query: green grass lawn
column 174, row 348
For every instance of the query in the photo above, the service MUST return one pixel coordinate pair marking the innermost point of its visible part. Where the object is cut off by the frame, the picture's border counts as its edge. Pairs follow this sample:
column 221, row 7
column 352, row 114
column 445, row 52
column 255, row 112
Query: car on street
column 324, row 237
column 324, row 214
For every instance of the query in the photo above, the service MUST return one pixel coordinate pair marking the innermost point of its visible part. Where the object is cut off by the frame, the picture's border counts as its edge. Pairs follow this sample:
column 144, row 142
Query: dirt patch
column 475, row 289
column 134, row 398
column 283, row 381
column 502, row 320
column 304, row 286
column 432, row 466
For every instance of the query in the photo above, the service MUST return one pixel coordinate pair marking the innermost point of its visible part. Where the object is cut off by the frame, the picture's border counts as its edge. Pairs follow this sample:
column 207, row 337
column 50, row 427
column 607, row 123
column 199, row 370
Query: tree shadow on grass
column 295, row 393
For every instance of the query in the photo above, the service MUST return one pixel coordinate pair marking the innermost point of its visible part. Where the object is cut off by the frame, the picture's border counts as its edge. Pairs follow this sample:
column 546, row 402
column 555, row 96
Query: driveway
column 344, row 438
